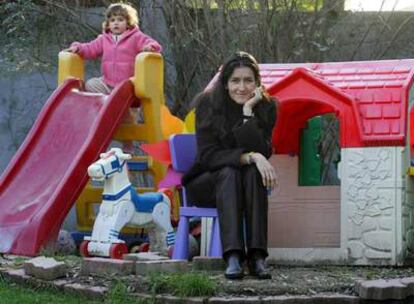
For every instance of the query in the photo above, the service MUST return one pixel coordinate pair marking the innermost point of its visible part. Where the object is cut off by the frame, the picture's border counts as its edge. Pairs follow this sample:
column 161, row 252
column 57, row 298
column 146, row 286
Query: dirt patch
column 286, row 280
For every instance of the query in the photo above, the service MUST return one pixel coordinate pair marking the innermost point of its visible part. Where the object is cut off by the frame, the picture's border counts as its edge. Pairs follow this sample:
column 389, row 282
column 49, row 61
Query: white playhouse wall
column 373, row 196
column 376, row 210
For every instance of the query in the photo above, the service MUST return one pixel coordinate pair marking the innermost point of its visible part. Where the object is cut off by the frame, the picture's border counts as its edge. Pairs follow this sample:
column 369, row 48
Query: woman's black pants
column 241, row 201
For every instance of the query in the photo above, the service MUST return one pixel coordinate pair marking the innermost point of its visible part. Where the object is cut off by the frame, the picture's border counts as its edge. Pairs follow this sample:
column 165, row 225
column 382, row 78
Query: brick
column 365, row 97
column 104, row 266
column 396, row 96
column 382, row 95
column 45, row 268
column 144, row 256
column 367, row 127
column 17, row 275
column 168, row 299
column 391, row 111
column 333, row 299
column 208, row 263
column 246, row 300
column 395, row 126
column 88, row 291
column 316, row 299
column 381, row 290
column 409, row 282
column 373, row 111
column 145, row 267
column 381, row 127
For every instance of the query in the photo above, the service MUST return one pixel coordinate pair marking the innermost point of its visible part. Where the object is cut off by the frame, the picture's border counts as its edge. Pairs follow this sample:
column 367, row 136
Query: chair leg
column 215, row 249
column 181, row 241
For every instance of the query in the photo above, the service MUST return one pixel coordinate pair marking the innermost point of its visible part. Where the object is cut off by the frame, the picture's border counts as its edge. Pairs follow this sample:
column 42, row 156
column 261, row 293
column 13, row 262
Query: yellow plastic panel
column 170, row 124
column 149, row 88
column 189, row 122
column 149, row 75
column 70, row 65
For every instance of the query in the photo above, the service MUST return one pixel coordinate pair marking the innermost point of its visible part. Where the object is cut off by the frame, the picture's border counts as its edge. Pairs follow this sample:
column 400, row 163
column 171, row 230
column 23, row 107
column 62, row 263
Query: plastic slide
column 49, row 170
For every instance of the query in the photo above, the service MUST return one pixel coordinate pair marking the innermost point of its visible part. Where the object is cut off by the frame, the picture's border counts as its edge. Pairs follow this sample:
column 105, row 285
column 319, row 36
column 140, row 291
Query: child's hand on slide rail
column 148, row 48
column 72, row 49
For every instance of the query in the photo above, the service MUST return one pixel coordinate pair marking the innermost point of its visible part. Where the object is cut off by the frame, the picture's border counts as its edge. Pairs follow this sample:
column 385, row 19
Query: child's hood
column 125, row 34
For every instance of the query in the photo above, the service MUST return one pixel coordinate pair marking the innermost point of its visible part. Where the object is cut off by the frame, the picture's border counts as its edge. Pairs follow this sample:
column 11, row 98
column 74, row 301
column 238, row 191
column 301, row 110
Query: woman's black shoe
column 234, row 270
column 258, row 269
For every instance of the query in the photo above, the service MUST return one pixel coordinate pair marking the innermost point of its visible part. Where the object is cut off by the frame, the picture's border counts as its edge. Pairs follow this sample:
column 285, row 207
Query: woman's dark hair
column 218, row 96
column 239, row 59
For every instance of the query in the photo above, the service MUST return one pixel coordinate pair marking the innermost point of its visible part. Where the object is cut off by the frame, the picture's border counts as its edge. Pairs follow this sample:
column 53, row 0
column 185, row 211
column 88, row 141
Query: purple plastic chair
column 183, row 149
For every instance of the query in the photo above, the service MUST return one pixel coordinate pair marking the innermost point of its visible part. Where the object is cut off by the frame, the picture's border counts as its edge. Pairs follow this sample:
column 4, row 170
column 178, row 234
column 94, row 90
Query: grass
column 12, row 293
column 183, row 285
column 119, row 294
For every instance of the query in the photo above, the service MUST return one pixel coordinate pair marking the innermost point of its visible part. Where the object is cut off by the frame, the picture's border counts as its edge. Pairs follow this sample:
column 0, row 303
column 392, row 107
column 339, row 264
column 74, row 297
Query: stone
column 380, row 240
column 356, row 249
column 356, row 231
column 373, row 254
column 372, row 211
column 386, row 223
column 172, row 266
column 381, row 290
column 204, row 263
column 385, row 201
column 104, row 266
column 45, row 268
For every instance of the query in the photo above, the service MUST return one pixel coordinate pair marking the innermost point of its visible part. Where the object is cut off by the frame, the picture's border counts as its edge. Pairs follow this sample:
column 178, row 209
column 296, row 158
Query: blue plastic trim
column 114, row 197
column 145, row 202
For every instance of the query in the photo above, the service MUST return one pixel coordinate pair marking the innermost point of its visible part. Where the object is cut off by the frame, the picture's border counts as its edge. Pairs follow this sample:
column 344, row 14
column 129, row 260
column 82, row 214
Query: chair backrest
column 183, row 149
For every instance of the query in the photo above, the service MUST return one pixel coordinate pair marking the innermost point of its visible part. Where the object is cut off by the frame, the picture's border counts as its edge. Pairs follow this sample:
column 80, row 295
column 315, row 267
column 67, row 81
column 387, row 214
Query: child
column 118, row 45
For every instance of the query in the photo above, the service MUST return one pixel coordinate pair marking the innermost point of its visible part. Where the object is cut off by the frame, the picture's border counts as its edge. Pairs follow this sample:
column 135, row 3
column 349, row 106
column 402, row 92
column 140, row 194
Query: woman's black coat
column 217, row 148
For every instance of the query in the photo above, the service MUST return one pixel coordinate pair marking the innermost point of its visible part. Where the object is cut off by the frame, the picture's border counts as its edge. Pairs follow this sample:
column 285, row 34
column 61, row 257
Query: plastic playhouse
column 368, row 218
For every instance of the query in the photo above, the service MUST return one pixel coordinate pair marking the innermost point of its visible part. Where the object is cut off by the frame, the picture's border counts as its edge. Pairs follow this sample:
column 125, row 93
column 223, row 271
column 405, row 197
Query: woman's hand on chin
column 249, row 105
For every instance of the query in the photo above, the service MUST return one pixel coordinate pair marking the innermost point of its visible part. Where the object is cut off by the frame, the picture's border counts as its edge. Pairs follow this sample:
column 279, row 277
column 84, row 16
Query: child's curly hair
column 121, row 9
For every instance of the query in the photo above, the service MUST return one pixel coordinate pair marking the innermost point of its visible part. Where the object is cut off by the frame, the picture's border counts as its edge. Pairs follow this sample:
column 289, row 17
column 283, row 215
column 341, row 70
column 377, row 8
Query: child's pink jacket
column 118, row 58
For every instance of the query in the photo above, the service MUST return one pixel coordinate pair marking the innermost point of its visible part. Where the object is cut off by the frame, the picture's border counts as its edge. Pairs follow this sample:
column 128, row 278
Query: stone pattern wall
column 369, row 191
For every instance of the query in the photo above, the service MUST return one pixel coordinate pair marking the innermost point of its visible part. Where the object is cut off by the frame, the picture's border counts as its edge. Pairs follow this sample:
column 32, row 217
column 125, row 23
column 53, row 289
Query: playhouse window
column 319, row 152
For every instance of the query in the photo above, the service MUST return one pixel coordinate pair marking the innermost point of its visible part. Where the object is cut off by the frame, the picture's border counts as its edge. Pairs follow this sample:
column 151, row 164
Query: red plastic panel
column 379, row 90
column 302, row 96
column 49, row 171
column 412, row 136
column 160, row 151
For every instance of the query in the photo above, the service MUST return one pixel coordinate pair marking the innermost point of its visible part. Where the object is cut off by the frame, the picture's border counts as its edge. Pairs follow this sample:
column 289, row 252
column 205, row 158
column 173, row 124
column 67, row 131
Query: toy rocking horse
column 122, row 206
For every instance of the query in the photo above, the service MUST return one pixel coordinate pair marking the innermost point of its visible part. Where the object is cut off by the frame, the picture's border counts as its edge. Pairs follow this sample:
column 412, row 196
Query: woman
column 234, row 122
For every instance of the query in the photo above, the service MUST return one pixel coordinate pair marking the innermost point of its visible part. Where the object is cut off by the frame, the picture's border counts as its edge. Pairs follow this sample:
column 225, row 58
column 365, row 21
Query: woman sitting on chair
column 234, row 123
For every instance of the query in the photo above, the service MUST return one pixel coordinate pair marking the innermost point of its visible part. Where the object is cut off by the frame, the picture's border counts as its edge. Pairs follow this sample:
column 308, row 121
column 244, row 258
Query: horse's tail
column 171, row 202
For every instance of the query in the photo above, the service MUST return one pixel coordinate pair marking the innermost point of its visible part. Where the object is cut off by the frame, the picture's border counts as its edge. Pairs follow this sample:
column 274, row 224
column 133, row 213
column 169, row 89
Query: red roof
column 370, row 99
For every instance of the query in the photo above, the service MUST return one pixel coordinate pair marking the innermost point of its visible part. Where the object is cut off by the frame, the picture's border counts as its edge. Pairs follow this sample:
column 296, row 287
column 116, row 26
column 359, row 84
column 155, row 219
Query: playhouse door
column 304, row 210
